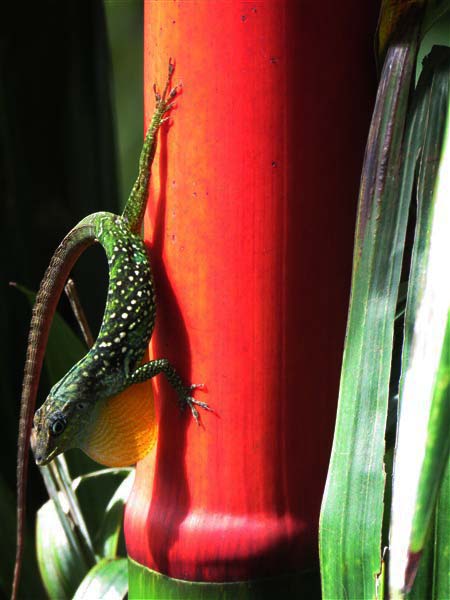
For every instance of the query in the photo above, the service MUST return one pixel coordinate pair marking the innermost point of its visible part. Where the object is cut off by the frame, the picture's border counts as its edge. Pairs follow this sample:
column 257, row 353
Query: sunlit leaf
column 424, row 419
column 61, row 563
column 107, row 580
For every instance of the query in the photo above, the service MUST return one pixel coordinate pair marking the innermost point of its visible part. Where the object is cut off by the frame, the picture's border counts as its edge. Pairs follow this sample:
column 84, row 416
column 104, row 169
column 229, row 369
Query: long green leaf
column 352, row 509
column 423, row 442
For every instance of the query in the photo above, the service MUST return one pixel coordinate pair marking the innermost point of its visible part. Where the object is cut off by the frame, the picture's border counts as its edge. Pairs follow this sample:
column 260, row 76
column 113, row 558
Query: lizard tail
column 76, row 241
column 135, row 206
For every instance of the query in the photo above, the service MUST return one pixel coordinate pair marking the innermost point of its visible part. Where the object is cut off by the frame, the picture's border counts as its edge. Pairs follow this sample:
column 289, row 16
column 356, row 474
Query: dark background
column 63, row 155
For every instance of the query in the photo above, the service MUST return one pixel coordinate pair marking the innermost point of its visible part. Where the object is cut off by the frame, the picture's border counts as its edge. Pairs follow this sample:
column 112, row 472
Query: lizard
column 114, row 362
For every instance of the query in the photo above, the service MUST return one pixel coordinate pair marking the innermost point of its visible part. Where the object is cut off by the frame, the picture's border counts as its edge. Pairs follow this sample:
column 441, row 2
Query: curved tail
column 52, row 285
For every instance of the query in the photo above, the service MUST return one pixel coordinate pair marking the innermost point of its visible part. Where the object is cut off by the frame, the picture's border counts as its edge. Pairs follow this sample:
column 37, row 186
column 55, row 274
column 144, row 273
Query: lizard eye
column 82, row 405
column 58, row 426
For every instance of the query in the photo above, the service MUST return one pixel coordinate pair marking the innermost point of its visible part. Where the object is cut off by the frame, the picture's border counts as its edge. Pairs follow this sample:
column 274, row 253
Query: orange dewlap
column 125, row 428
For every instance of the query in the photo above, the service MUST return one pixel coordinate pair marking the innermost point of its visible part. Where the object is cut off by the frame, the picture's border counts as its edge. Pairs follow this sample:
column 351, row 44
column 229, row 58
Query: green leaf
column 109, row 533
column 59, row 486
column 423, row 584
column 145, row 583
column 95, row 492
column 436, row 450
column 125, row 31
column 424, row 419
column 352, row 508
column 441, row 579
column 63, row 560
column 107, row 580
column 436, row 12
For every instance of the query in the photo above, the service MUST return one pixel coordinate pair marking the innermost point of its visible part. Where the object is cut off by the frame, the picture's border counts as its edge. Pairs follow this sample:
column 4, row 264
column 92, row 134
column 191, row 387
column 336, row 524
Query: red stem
column 250, row 224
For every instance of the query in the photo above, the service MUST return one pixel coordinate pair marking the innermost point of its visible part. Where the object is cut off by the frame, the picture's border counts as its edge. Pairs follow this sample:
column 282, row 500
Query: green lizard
column 114, row 361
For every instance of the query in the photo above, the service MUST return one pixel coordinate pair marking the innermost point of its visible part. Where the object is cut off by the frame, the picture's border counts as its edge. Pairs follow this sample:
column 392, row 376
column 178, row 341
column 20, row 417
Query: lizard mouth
column 41, row 457
column 42, row 460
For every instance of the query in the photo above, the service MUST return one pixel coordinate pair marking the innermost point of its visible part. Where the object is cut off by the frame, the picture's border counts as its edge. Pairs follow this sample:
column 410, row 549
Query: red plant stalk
column 250, row 227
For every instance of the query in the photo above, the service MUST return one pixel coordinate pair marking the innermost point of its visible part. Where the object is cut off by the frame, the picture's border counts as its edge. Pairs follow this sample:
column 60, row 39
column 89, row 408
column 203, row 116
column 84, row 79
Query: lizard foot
column 163, row 101
column 187, row 400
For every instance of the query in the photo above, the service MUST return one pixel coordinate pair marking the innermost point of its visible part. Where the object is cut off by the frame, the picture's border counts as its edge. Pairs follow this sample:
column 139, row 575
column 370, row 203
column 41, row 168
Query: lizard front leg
column 135, row 206
column 162, row 365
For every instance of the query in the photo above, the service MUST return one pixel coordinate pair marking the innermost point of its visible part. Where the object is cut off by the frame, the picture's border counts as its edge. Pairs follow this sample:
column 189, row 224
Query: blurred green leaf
column 352, row 508
column 126, row 36
column 107, row 539
column 61, row 563
column 95, row 492
column 107, row 580
column 436, row 12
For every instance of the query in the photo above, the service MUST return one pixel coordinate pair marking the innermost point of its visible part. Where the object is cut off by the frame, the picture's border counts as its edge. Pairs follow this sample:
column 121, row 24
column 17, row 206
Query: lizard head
column 58, row 426
column 117, row 431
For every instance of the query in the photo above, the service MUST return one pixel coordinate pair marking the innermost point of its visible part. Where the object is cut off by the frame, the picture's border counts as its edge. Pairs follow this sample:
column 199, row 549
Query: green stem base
column 148, row 584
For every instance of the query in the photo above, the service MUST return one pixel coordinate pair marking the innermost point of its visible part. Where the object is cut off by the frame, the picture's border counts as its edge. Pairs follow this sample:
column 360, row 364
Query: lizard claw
column 197, row 386
column 163, row 100
column 187, row 400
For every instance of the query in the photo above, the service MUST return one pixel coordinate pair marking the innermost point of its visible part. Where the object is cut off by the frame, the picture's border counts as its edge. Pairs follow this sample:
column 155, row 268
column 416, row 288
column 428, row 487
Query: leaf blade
column 352, row 508
column 108, row 579
column 424, row 418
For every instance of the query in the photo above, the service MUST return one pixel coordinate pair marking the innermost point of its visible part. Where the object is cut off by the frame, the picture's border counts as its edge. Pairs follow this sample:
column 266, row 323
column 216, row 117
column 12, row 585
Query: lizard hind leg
column 162, row 365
